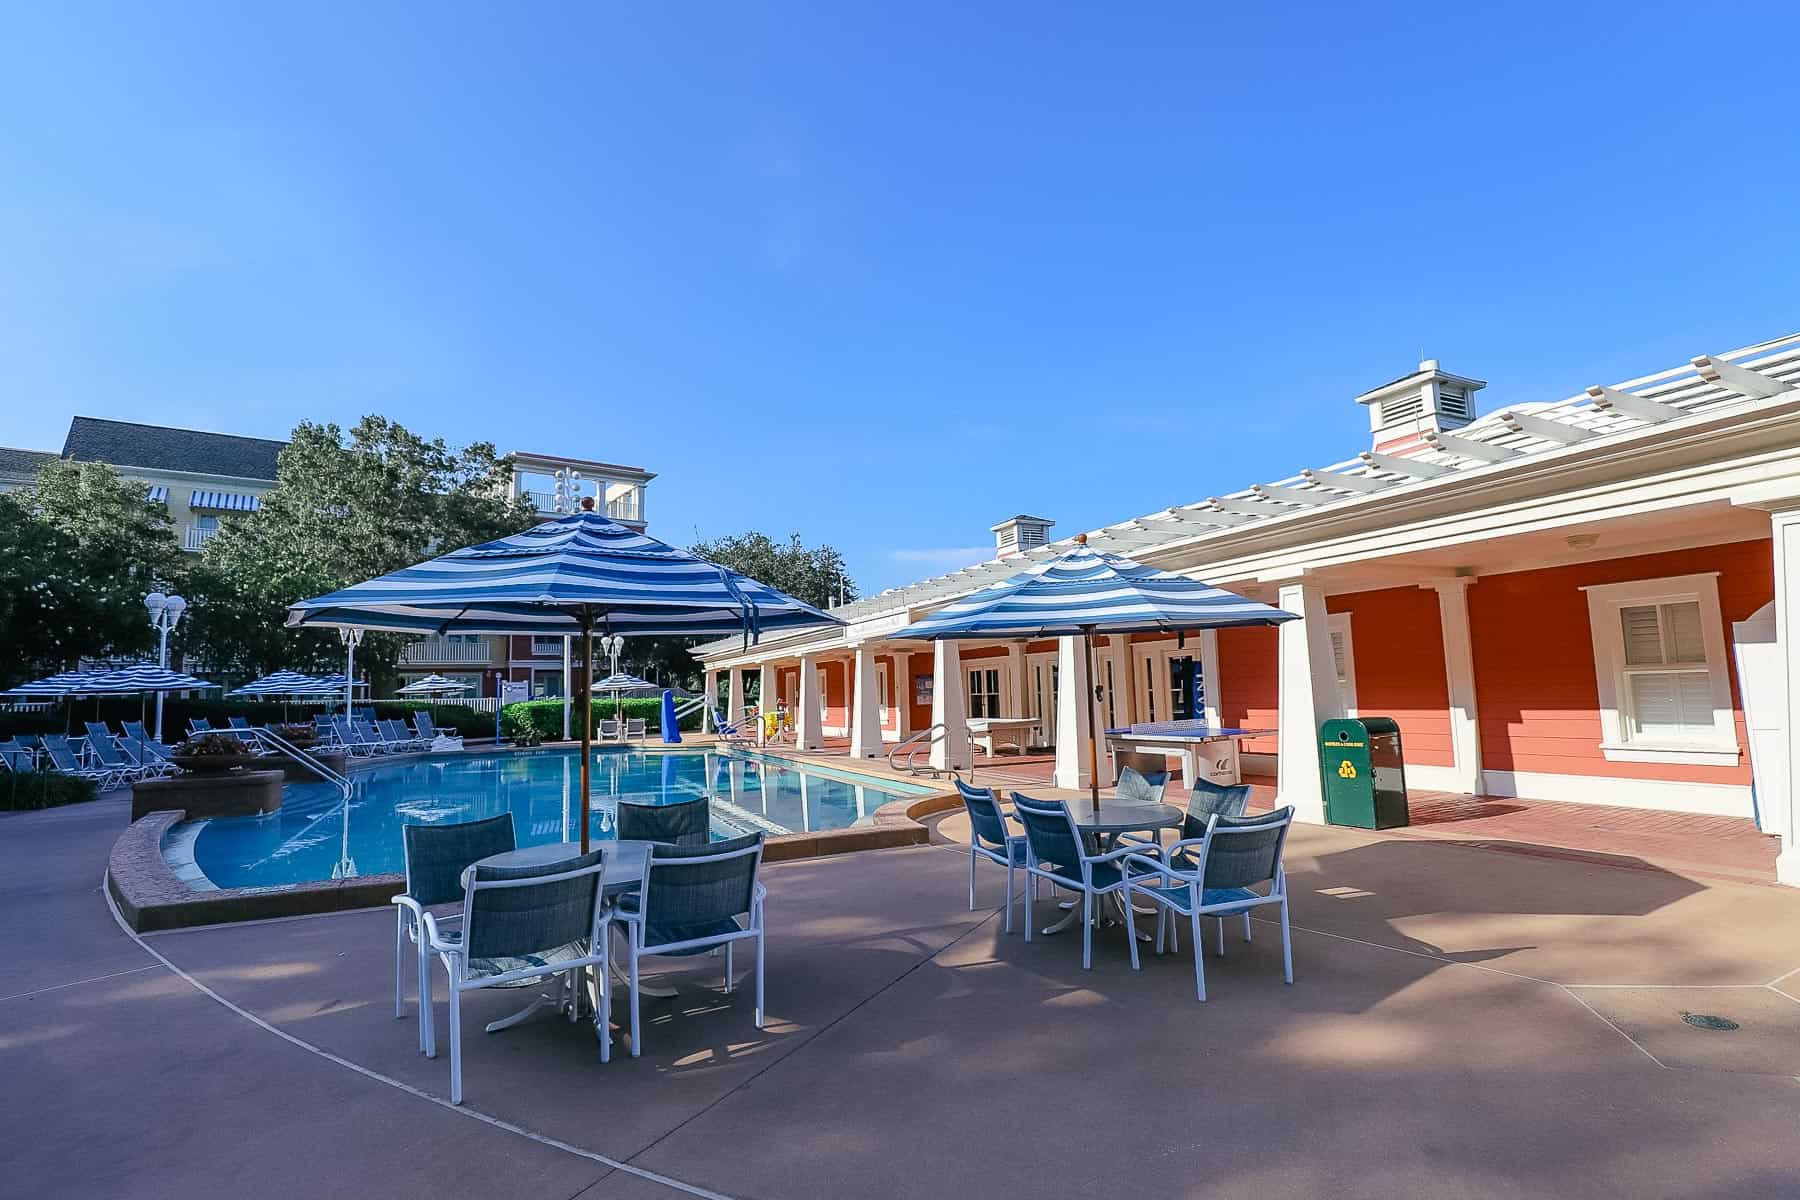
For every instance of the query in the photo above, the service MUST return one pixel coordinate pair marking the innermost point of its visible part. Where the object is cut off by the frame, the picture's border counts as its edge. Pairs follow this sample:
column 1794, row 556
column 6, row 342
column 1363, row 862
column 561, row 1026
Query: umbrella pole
column 1093, row 702
column 587, row 722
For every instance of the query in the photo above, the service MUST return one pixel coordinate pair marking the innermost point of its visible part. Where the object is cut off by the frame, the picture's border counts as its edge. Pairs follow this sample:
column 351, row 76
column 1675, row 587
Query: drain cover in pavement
column 1708, row 1021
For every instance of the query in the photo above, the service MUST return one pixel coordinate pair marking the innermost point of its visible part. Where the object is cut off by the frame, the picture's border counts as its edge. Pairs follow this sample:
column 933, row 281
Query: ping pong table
column 1207, row 751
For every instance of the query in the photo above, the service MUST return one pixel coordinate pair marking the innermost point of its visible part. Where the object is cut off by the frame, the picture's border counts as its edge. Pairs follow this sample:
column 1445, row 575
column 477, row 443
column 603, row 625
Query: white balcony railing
column 434, row 652
column 195, row 537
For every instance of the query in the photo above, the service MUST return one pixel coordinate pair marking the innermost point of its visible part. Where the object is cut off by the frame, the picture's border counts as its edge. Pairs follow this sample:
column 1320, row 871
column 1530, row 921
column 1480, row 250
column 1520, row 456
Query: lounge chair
column 103, row 751
column 396, row 732
column 436, row 857
column 636, row 728
column 142, row 746
column 693, row 899
column 432, row 731
column 346, row 738
column 16, row 755
column 520, row 924
column 63, row 759
column 730, row 733
column 1230, row 859
column 1056, row 852
column 990, row 838
column 688, row 823
column 609, row 731
column 372, row 735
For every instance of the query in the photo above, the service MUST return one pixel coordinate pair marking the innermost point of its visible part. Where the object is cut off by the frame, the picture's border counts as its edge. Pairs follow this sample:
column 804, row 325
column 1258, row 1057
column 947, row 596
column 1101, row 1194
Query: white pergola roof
column 1705, row 384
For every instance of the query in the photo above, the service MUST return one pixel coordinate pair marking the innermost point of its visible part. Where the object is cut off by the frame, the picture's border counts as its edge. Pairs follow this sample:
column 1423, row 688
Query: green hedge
column 43, row 789
column 545, row 716
column 70, row 714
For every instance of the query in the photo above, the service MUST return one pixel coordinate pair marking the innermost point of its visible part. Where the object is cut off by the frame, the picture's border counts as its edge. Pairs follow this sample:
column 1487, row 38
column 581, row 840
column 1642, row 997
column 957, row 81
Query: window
column 984, row 692
column 1660, row 666
column 881, row 691
column 1343, row 661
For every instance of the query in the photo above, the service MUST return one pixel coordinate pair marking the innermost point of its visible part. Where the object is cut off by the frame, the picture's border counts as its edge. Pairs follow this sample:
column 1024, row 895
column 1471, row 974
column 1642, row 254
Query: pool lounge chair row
column 109, row 759
column 367, row 739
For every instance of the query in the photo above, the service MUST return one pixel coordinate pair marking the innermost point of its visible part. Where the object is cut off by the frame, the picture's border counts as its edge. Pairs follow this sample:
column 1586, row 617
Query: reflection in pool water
column 316, row 836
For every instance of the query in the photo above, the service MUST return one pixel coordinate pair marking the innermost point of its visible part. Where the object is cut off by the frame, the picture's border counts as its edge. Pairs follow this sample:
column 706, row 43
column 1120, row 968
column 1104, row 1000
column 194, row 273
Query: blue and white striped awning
column 225, row 501
column 156, row 494
column 281, row 683
column 65, row 683
column 142, row 677
column 1087, row 591
column 546, row 579
column 432, row 685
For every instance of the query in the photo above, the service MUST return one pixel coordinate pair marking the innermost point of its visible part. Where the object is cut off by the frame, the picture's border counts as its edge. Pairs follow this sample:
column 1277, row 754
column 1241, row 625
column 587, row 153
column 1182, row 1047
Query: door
column 1187, row 688
column 1040, row 696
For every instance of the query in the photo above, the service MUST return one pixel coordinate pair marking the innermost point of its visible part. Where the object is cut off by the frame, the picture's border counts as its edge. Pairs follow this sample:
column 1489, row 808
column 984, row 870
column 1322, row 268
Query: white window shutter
column 1643, row 635
column 1687, row 640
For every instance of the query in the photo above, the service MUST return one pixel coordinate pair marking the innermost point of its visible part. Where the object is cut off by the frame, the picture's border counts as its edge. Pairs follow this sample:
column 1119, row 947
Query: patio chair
column 524, row 923
column 608, row 731
column 435, row 858
column 1144, row 787
column 636, row 728
column 431, row 731
column 142, row 745
column 1055, row 852
column 688, row 823
column 691, row 901
column 63, row 759
column 102, row 750
column 1231, row 858
column 350, row 740
column 990, row 838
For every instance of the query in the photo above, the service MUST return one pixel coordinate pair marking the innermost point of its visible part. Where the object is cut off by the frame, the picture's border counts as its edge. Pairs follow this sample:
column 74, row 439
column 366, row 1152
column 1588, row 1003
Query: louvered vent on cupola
column 1429, row 400
column 1015, row 535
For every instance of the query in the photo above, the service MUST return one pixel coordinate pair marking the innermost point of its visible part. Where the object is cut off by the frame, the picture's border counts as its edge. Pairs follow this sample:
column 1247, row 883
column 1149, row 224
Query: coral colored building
column 1582, row 599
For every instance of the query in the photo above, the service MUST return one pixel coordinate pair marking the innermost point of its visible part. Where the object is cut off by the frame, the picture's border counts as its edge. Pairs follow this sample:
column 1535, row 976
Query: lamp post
column 350, row 637
column 165, row 614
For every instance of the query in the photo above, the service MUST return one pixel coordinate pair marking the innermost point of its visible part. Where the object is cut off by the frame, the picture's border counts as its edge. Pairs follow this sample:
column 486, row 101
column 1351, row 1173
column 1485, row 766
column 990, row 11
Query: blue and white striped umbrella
column 1087, row 591
column 143, row 677
column 432, row 685
column 543, row 581
column 331, row 685
column 65, row 683
column 1084, row 592
column 280, row 683
column 624, row 681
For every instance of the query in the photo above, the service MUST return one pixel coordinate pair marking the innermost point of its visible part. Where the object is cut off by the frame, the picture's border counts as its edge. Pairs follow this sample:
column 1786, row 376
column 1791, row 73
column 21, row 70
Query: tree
column 814, row 574
column 344, row 509
column 79, row 550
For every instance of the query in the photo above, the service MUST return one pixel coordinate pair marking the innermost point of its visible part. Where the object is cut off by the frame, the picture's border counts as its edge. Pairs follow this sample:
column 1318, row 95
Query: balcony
column 194, row 537
column 446, row 652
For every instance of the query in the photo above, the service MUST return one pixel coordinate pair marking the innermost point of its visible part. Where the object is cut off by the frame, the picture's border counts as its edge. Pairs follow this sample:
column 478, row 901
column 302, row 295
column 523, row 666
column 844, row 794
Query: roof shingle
column 159, row 447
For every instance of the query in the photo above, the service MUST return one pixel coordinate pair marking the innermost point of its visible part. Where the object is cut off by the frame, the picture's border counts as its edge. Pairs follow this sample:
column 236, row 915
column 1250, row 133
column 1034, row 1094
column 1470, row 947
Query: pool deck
column 1464, row 1023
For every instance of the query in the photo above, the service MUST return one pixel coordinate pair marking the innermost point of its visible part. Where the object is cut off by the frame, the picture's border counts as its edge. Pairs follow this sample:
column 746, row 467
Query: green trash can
column 1364, row 772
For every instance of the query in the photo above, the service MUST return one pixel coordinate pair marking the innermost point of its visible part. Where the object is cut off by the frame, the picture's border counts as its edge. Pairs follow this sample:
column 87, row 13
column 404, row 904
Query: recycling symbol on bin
column 1345, row 770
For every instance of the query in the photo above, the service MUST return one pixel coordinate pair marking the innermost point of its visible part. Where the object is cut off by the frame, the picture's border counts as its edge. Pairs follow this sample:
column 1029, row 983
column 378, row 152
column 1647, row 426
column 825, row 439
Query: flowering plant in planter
column 211, row 745
column 301, row 735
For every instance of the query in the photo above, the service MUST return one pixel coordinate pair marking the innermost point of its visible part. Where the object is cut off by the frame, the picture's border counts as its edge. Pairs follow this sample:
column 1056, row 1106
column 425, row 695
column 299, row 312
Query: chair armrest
column 761, row 892
column 1117, row 852
column 437, row 943
column 1152, row 843
column 1151, row 866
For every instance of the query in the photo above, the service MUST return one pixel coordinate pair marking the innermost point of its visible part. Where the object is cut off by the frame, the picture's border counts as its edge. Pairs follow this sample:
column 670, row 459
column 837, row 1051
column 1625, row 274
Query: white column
column 1073, row 700
column 1309, row 695
column 1459, row 674
column 709, row 689
column 865, row 707
column 765, row 701
column 1786, row 529
column 950, row 752
column 1015, row 679
column 901, row 680
column 1207, row 655
column 808, row 723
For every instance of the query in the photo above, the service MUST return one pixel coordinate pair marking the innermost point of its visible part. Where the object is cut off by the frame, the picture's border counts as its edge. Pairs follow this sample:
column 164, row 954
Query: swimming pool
column 315, row 835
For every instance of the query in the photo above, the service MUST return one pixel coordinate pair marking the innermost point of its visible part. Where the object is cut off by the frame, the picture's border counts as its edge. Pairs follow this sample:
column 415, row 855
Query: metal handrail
column 921, row 743
column 281, row 745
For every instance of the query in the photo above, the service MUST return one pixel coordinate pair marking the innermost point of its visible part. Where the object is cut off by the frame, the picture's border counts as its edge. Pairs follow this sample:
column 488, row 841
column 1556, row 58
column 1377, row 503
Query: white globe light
column 175, row 606
column 154, row 602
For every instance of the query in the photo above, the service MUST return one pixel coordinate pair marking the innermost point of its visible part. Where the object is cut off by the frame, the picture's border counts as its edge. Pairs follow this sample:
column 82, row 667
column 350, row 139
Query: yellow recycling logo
column 1345, row 770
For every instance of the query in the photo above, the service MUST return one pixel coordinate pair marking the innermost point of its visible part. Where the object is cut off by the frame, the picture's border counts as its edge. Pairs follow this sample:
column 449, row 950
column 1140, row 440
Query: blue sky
column 880, row 275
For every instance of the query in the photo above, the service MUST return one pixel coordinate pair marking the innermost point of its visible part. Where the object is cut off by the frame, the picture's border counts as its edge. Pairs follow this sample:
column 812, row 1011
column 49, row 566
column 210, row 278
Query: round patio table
column 1107, row 820
column 625, row 862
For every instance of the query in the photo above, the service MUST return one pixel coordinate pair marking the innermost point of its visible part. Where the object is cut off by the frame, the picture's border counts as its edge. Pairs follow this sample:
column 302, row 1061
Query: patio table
column 1106, row 820
column 625, row 862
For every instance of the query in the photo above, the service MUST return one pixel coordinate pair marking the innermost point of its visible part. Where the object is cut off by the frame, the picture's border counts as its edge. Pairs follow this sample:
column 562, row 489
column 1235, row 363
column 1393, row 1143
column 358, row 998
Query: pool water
column 316, row 836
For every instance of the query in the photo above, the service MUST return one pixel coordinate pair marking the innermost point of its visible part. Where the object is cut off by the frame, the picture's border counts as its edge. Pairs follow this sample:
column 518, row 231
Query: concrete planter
column 218, row 794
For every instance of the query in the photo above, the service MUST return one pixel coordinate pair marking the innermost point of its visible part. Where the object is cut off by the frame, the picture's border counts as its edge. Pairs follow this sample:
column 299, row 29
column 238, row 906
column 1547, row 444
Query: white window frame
column 881, row 691
column 1605, row 601
column 1338, row 626
column 553, row 644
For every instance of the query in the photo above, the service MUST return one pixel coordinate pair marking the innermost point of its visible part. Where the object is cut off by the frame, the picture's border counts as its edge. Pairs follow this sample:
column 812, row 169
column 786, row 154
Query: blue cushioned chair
column 436, row 857
column 1055, row 851
column 695, row 898
column 1230, row 859
column 990, row 838
column 520, row 924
